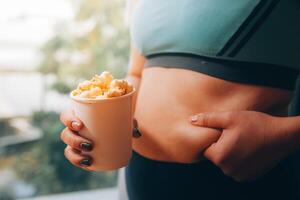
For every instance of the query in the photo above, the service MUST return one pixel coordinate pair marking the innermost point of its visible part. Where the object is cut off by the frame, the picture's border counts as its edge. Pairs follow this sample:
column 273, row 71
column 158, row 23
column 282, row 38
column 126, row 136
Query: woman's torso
column 168, row 96
column 166, row 99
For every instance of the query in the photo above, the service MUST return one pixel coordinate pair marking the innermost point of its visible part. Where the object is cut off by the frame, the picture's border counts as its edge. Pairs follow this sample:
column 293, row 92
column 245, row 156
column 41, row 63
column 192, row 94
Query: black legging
column 155, row 180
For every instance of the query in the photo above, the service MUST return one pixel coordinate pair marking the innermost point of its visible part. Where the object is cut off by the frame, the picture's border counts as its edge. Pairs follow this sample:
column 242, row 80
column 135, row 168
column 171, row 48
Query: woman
column 212, row 101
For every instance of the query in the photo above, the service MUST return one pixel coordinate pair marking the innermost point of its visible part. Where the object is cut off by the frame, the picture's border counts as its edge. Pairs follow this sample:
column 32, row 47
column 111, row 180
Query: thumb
column 219, row 120
column 212, row 153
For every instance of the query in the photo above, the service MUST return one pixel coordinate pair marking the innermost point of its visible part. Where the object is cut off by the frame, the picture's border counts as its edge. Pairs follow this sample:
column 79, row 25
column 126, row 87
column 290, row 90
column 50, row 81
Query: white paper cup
column 108, row 123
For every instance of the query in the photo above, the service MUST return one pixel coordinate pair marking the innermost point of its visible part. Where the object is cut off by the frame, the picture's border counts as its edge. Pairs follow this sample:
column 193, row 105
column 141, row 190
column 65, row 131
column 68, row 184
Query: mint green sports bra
column 191, row 26
column 264, row 31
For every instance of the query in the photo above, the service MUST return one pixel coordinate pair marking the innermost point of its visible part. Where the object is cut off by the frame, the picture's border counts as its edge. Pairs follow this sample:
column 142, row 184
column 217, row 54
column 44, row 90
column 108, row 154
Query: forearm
column 136, row 66
column 135, row 81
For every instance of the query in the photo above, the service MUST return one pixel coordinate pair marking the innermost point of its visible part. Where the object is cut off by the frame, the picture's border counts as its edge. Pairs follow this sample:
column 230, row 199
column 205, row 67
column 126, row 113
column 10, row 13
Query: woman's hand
column 75, row 143
column 250, row 145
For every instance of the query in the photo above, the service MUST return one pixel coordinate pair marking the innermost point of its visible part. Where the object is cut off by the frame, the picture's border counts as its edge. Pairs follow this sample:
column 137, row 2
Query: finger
column 218, row 120
column 76, row 158
column 211, row 153
column 69, row 119
column 136, row 132
column 216, row 153
column 75, row 141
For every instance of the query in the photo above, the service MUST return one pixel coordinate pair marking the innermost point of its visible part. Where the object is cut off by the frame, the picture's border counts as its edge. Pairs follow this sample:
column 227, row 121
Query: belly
column 168, row 97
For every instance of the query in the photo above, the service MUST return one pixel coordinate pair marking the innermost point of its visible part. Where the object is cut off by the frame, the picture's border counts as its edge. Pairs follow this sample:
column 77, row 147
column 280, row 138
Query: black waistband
column 235, row 71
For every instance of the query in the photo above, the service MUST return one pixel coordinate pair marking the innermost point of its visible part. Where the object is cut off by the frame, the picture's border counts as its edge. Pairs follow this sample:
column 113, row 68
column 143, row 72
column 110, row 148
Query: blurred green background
column 31, row 155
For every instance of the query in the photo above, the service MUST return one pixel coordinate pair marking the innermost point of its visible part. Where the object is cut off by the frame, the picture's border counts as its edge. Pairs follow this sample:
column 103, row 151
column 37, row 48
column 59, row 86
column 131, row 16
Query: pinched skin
column 167, row 97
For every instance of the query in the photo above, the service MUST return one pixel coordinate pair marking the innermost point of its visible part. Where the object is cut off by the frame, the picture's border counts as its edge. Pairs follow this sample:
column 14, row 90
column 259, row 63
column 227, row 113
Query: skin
column 251, row 142
column 208, row 118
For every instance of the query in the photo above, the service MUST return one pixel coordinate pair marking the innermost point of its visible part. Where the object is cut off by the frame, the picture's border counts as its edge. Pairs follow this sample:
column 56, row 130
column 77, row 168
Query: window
column 46, row 47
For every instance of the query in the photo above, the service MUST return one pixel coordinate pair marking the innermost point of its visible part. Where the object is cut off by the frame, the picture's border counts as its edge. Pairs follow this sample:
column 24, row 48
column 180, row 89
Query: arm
column 251, row 143
column 136, row 66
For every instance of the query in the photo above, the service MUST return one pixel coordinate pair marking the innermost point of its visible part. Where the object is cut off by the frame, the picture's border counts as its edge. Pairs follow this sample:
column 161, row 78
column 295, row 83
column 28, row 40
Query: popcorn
column 91, row 94
column 76, row 92
column 86, row 85
column 84, row 94
column 102, row 80
column 115, row 92
column 129, row 88
column 122, row 84
column 102, row 86
column 106, row 77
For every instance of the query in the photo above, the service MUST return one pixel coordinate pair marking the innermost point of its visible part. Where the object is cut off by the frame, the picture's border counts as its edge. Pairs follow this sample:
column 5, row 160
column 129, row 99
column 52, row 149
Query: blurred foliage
column 96, row 40
column 45, row 167
column 61, row 87
column 7, row 194
column 6, row 128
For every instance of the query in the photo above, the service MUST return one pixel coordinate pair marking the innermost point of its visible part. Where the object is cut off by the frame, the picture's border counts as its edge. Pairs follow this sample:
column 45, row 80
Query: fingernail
column 86, row 146
column 75, row 125
column 194, row 118
column 86, row 162
column 136, row 133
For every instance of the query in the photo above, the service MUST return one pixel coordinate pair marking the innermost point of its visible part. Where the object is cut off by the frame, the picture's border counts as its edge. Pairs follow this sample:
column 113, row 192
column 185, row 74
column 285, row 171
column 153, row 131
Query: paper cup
column 108, row 123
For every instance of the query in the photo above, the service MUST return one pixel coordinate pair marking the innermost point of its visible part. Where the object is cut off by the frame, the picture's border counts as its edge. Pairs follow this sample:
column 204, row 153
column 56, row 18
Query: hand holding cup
column 104, row 112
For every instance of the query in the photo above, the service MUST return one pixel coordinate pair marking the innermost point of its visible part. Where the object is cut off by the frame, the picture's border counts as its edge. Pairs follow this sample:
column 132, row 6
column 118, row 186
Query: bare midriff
column 168, row 97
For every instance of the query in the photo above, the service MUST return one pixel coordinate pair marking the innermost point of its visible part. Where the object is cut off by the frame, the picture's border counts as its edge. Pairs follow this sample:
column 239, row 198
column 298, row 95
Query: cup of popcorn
column 105, row 106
